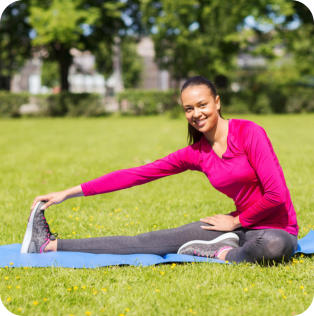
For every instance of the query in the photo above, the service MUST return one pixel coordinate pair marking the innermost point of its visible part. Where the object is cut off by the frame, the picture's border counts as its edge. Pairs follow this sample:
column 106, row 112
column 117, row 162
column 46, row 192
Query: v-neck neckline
column 228, row 136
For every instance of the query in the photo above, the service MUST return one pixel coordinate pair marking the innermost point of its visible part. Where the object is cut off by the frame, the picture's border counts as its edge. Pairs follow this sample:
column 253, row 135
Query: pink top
column 248, row 172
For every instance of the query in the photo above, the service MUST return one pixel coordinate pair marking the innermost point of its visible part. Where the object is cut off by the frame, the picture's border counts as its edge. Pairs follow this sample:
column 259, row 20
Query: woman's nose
column 196, row 112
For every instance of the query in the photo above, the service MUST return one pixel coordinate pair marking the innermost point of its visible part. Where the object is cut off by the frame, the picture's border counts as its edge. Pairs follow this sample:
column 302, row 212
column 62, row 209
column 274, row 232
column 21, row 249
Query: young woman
column 238, row 159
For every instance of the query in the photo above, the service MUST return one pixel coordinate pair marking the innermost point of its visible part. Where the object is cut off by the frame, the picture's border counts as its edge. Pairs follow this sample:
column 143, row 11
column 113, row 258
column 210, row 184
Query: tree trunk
column 5, row 83
column 64, row 59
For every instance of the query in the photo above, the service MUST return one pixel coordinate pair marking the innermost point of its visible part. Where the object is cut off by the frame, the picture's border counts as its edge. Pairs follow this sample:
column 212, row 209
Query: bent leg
column 157, row 242
column 265, row 245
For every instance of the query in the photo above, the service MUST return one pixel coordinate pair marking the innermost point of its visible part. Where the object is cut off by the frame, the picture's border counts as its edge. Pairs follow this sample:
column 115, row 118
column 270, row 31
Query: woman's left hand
column 221, row 222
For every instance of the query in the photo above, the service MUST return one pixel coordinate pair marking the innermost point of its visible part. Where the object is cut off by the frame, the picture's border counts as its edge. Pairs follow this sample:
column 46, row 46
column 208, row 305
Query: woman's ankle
column 51, row 246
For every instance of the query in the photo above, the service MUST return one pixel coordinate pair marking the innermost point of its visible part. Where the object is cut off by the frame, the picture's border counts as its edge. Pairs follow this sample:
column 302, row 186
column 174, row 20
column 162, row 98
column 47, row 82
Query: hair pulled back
column 193, row 134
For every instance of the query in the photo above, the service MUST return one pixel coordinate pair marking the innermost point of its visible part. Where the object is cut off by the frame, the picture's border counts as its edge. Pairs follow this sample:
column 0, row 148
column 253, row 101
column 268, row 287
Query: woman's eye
column 203, row 105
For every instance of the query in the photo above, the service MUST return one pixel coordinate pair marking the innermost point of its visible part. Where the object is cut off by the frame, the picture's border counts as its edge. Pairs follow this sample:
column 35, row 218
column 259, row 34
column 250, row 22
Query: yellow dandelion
column 87, row 313
column 157, row 290
column 9, row 299
column 71, row 315
column 121, row 314
column 18, row 286
column 6, row 278
column 245, row 289
column 9, row 286
column 95, row 292
column 17, row 277
column 11, row 263
column 227, row 261
column 136, row 208
column 19, row 309
column 35, row 303
column 74, row 233
column 301, row 287
column 83, row 287
column 173, row 266
column 162, row 272
column 284, row 297
column 75, row 288
column 77, row 218
column 301, row 261
column 302, row 255
column 69, row 289
column 127, row 309
column 45, row 299
column 304, row 293
column 104, row 289
column 70, row 216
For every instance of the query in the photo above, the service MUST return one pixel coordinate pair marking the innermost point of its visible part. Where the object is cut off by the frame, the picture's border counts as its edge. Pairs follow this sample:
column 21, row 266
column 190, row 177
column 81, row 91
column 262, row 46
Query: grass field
column 43, row 155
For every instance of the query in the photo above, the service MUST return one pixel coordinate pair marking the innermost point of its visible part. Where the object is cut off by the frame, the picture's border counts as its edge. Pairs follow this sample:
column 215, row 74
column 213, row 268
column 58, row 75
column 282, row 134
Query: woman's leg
column 265, row 245
column 157, row 242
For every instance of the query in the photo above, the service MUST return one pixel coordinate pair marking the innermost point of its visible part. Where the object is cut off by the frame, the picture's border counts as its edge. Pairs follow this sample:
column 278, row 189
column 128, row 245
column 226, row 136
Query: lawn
column 43, row 155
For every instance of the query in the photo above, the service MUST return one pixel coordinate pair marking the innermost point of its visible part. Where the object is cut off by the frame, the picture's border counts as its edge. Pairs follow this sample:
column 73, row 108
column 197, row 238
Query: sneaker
column 37, row 234
column 211, row 248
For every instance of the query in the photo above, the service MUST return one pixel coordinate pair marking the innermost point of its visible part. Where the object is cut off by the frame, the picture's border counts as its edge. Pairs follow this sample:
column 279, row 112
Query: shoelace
column 49, row 233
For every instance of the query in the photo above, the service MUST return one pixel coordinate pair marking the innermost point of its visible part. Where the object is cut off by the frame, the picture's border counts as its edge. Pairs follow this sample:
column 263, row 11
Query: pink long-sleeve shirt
column 248, row 172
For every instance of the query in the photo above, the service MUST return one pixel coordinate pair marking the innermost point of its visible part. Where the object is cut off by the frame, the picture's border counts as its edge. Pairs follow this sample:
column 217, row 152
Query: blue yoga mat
column 10, row 256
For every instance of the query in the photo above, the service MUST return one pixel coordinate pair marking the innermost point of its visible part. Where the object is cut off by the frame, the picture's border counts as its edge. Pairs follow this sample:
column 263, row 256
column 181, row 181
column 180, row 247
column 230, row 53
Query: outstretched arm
column 179, row 161
column 174, row 163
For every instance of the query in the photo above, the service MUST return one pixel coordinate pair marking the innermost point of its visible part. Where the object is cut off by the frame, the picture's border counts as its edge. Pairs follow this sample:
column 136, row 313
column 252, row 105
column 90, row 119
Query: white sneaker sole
column 29, row 229
column 208, row 242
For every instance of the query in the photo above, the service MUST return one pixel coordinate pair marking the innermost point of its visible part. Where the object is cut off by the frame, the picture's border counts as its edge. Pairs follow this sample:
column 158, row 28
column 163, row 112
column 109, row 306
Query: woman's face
column 200, row 107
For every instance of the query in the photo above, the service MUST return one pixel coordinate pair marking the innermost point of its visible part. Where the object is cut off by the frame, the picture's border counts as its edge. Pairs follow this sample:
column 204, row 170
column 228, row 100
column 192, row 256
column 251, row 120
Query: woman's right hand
column 58, row 197
column 50, row 199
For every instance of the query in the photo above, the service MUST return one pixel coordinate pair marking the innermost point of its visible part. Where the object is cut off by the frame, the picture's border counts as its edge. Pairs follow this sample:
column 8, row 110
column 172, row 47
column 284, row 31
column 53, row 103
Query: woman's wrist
column 236, row 222
column 73, row 192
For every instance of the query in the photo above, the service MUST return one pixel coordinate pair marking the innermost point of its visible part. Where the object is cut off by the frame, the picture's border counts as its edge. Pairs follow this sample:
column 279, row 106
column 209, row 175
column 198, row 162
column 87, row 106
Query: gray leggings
column 255, row 245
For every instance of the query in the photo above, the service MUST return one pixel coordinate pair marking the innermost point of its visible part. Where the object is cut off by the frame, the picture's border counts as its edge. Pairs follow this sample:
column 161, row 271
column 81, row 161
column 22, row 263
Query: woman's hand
column 50, row 199
column 221, row 222
column 58, row 197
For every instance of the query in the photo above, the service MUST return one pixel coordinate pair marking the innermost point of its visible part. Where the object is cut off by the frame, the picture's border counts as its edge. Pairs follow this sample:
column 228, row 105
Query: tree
column 59, row 26
column 15, row 42
column 132, row 65
column 203, row 37
column 82, row 24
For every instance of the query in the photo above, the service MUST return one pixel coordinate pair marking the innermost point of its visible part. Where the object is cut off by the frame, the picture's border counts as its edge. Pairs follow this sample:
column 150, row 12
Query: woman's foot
column 38, row 234
column 216, row 248
column 51, row 246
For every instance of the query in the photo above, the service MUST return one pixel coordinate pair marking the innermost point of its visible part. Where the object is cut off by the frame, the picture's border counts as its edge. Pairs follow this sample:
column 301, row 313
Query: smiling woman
column 238, row 159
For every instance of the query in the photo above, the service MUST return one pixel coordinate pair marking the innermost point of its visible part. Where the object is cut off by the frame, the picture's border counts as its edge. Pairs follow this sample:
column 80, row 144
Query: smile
column 200, row 122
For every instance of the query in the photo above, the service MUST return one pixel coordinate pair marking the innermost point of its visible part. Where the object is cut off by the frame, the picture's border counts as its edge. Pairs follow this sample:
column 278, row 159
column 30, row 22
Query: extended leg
column 157, row 242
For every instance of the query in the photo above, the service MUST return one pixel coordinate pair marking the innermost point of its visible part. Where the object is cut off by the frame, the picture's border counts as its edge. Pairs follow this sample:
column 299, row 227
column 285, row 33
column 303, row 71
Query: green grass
column 43, row 155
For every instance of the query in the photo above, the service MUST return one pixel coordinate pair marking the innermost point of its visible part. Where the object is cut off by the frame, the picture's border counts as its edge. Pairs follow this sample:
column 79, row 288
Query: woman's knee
column 277, row 245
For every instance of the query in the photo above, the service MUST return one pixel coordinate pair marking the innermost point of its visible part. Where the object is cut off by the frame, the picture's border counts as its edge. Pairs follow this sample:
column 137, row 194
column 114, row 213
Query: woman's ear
column 217, row 102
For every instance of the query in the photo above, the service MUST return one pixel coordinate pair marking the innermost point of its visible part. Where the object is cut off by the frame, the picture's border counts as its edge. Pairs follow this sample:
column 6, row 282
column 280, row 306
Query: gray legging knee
column 255, row 245
column 264, row 245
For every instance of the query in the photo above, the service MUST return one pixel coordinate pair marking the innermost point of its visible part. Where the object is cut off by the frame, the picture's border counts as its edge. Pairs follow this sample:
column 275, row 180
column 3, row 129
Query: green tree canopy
column 15, row 43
